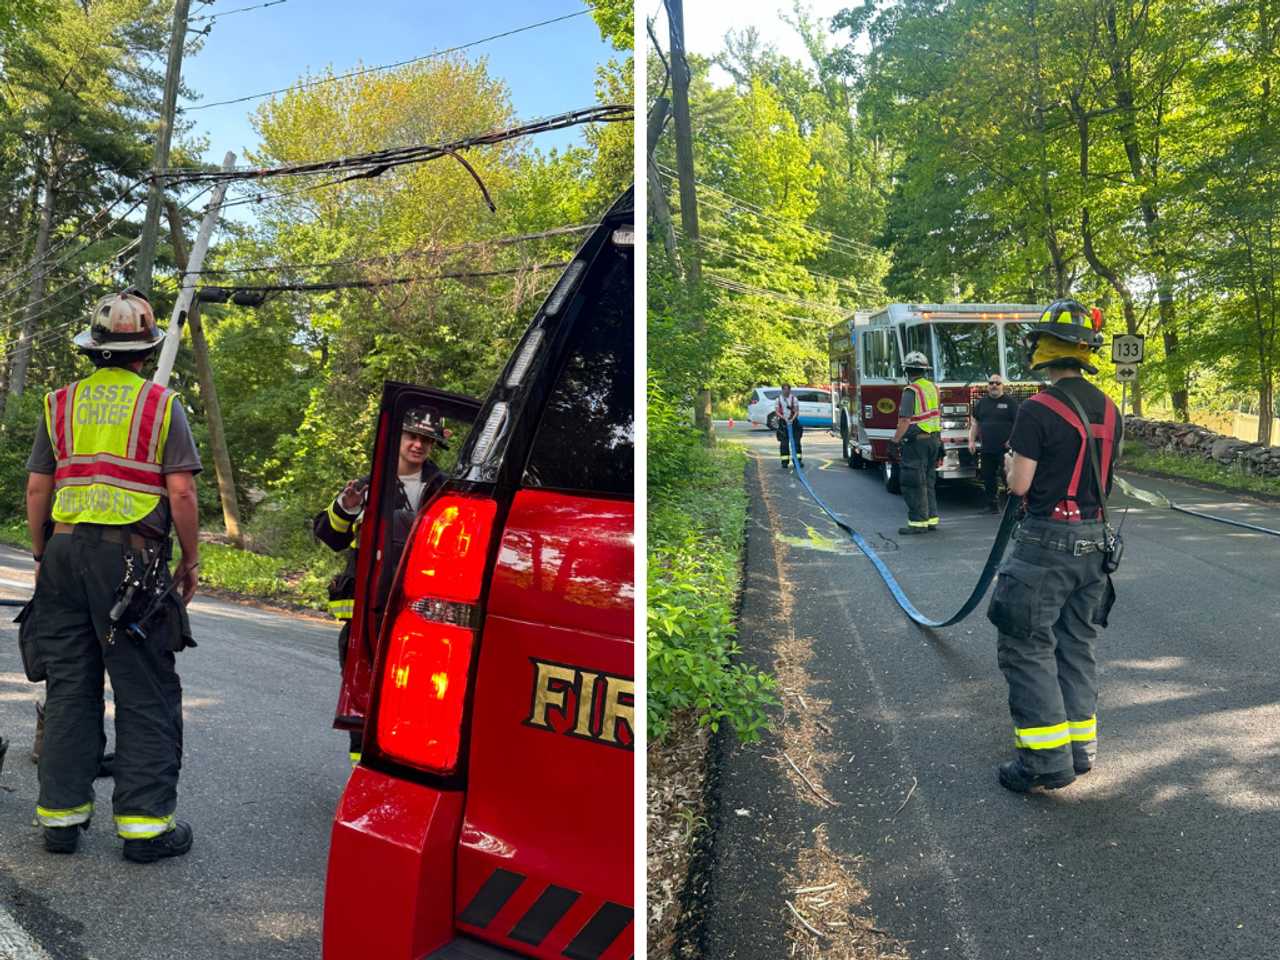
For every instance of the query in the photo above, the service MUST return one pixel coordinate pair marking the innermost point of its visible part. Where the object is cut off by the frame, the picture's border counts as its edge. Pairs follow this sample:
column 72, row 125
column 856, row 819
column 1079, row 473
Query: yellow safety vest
column 108, row 434
column 928, row 415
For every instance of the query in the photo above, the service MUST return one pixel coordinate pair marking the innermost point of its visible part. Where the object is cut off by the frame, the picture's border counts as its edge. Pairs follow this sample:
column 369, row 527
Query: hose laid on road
column 1160, row 500
column 988, row 574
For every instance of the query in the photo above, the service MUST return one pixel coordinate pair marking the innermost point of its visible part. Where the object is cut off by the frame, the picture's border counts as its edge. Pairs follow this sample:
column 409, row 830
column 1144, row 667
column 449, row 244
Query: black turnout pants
column 1047, row 605
column 920, row 478
column 797, row 431
column 74, row 594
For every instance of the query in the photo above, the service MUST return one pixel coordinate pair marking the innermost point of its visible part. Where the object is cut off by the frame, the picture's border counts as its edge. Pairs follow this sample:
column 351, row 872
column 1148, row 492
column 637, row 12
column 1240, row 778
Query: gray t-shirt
column 180, row 456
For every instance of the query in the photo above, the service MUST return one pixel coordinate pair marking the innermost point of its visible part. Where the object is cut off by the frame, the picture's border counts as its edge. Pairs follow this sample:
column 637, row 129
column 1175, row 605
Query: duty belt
column 110, row 534
column 1052, row 540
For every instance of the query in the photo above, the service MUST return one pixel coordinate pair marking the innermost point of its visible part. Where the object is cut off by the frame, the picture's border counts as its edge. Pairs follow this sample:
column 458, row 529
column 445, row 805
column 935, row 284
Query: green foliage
column 616, row 20
column 17, row 429
column 697, row 517
column 298, row 578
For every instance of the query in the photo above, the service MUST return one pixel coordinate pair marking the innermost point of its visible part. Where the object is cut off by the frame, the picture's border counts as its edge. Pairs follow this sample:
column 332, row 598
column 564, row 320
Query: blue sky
column 548, row 70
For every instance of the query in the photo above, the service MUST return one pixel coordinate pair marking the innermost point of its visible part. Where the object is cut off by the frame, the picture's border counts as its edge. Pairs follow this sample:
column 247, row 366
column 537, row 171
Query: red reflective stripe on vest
column 103, row 468
column 61, row 438
column 146, row 409
column 921, row 403
column 1105, row 431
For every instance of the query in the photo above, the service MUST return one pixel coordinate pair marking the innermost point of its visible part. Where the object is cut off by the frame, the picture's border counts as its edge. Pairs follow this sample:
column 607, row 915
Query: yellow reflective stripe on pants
column 64, row 818
column 918, row 523
column 1042, row 738
column 931, row 522
column 338, row 523
column 1084, row 729
column 342, row 609
column 143, row 828
column 354, row 755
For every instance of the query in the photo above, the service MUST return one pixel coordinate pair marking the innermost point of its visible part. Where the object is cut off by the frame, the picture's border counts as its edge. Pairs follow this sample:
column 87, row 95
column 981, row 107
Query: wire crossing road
column 1168, row 849
column 262, row 774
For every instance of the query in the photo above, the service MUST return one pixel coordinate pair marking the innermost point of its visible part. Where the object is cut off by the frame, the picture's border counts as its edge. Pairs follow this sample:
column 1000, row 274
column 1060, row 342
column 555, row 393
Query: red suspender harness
column 1068, row 508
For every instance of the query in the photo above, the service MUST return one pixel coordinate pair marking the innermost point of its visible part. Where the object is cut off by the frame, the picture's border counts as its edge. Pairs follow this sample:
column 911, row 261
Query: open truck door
column 383, row 535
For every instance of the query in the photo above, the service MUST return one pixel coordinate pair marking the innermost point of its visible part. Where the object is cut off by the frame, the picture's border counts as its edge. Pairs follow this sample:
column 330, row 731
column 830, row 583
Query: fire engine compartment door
column 382, row 532
column 545, row 854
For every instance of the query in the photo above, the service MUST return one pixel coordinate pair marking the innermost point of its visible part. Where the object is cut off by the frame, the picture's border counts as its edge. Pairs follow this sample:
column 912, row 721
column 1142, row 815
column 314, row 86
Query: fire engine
column 490, row 814
column 965, row 343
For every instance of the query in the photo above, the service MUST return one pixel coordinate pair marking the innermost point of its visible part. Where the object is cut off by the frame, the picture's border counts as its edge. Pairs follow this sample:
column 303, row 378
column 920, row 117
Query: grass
column 1139, row 457
column 297, row 579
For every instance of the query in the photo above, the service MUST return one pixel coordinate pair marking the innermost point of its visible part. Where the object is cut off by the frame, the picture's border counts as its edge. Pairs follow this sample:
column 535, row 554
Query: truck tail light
column 427, row 665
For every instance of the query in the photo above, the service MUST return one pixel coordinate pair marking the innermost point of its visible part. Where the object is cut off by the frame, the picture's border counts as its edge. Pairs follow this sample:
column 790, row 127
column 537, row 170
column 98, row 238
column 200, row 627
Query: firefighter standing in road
column 787, row 409
column 919, row 438
column 338, row 527
column 1053, row 590
column 113, row 466
column 991, row 424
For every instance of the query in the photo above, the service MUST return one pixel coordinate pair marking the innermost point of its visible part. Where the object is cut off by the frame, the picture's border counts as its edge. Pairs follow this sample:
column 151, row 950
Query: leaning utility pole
column 208, row 392
column 688, row 194
column 160, row 161
column 164, row 366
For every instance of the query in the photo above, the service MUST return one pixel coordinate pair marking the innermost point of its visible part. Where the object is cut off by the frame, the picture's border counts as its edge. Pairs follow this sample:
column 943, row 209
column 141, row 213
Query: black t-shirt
column 1042, row 435
column 995, row 416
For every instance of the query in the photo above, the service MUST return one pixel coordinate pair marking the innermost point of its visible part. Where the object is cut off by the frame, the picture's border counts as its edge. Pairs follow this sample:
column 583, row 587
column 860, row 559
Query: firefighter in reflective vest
column 338, row 527
column 1052, row 592
column 113, row 467
column 920, row 440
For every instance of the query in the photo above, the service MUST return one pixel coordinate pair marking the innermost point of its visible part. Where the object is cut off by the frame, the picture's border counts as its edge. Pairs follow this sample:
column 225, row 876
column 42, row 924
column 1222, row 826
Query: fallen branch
column 908, row 797
column 820, row 795
column 807, row 925
column 815, row 889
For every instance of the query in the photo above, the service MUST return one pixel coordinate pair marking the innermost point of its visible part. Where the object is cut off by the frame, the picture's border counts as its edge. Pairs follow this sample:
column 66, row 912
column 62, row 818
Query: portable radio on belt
column 131, row 594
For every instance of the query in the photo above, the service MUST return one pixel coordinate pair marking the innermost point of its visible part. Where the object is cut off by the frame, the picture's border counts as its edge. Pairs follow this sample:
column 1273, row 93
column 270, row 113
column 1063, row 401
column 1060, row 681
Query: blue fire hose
column 1003, row 535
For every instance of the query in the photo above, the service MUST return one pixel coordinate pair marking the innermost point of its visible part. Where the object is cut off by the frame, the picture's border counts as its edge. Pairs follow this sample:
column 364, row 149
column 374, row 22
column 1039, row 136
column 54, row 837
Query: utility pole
column 169, row 351
column 688, row 193
column 208, row 392
column 160, row 161
column 658, row 208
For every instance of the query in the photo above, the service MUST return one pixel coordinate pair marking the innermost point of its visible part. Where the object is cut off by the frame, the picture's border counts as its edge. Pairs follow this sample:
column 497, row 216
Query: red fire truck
column 965, row 343
column 491, row 813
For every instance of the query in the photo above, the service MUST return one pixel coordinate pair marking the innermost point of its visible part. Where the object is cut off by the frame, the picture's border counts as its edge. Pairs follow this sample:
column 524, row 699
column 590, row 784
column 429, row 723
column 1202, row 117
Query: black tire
column 771, row 422
column 892, row 476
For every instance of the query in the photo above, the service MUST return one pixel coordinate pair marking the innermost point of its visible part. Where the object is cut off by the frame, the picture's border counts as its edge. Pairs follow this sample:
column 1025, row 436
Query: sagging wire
column 378, row 162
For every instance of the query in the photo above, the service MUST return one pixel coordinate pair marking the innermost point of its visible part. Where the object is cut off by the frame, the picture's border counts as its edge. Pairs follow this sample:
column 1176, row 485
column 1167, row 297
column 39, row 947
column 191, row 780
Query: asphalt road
column 261, row 778
column 1169, row 849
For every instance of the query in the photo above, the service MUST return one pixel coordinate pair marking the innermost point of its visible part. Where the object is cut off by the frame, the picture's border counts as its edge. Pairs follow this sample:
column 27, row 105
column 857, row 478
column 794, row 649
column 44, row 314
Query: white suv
column 760, row 408
column 815, row 406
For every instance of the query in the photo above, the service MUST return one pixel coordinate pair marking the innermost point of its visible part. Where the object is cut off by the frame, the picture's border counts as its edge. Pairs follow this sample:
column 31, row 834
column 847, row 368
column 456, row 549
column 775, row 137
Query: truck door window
column 586, row 439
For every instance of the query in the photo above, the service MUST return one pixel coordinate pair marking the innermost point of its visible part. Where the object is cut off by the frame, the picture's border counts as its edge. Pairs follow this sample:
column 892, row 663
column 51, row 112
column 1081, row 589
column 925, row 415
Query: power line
column 217, row 293
column 389, row 66
column 227, row 13
column 31, row 265
column 376, row 163
column 407, row 254
column 720, row 248
column 736, row 286
column 760, row 212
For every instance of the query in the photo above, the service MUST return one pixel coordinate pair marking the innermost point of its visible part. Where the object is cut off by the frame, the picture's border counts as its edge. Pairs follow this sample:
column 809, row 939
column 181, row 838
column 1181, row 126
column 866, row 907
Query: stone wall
column 1198, row 442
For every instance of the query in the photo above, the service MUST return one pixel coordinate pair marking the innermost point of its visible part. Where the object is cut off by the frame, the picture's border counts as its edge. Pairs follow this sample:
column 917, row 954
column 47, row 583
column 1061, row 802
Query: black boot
column 172, row 844
column 64, row 839
column 4, row 748
column 912, row 531
column 1016, row 777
